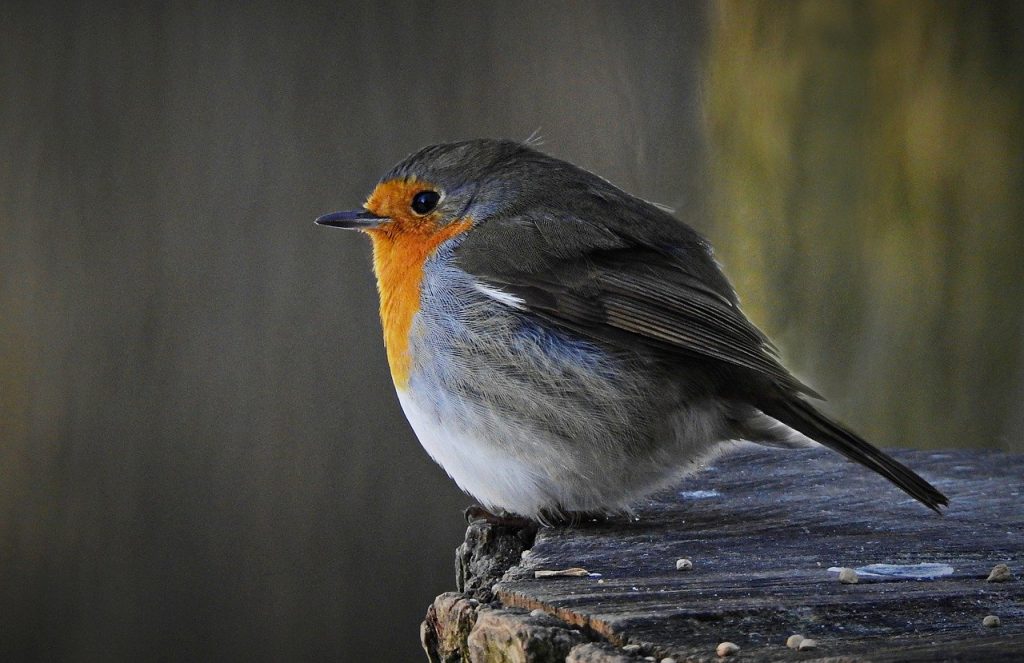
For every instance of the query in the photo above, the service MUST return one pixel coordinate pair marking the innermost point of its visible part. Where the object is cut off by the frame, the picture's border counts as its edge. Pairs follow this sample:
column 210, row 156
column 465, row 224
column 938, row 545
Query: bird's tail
column 801, row 415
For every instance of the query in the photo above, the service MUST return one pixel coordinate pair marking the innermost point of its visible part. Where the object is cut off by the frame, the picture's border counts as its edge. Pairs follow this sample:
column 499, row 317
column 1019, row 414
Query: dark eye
column 424, row 201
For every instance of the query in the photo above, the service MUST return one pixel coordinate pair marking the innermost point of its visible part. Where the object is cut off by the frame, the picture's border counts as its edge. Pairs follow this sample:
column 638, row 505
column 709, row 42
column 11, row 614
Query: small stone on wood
column 848, row 576
column 991, row 621
column 683, row 564
column 727, row 649
column 807, row 644
column 793, row 641
column 1000, row 573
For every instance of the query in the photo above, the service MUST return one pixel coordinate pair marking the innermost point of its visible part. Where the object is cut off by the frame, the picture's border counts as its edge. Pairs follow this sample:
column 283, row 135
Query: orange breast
column 400, row 249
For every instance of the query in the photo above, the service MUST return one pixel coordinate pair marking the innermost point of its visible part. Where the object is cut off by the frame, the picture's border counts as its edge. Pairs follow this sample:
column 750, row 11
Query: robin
column 562, row 347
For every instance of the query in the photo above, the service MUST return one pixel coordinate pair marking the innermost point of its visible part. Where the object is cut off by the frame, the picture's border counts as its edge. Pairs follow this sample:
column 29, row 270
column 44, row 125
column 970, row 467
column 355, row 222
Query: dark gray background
column 201, row 452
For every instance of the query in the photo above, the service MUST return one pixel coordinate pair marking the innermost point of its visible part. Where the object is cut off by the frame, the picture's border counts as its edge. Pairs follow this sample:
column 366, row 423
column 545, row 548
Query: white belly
column 492, row 476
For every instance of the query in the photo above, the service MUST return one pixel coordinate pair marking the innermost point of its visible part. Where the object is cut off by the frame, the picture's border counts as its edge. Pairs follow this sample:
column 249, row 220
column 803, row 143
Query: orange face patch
column 400, row 248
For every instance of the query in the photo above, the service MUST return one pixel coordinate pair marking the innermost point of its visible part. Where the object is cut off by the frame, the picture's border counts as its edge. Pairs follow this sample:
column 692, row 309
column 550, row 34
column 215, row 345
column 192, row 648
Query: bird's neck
column 398, row 260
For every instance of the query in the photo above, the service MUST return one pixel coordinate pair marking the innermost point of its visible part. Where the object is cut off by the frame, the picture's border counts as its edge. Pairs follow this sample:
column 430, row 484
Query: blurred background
column 201, row 454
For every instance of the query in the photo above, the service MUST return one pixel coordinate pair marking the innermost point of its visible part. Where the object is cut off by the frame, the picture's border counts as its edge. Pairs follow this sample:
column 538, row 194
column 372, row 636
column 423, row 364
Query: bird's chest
column 485, row 365
column 399, row 262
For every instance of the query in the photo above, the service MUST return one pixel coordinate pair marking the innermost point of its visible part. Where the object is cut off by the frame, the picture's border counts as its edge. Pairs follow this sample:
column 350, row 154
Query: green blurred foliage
column 868, row 204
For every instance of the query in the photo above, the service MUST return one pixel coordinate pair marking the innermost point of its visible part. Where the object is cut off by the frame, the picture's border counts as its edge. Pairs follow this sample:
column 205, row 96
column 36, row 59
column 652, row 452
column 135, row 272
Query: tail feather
column 800, row 415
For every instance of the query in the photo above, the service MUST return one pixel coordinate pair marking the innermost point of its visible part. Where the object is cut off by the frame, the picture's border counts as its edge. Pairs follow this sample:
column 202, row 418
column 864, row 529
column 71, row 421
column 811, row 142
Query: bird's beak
column 359, row 219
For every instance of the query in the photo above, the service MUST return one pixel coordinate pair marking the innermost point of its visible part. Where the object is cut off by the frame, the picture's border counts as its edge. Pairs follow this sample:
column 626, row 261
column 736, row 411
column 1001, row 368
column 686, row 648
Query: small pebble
column 537, row 612
column 632, row 649
column 683, row 564
column 727, row 649
column 667, row 660
column 1000, row 573
column 650, row 658
column 793, row 641
column 848, row 576
column 807, row 643
column 473, row 603
column 991, row 621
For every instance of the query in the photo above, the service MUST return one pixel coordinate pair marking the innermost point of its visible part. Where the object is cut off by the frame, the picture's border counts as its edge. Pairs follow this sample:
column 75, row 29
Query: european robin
column 560, row 346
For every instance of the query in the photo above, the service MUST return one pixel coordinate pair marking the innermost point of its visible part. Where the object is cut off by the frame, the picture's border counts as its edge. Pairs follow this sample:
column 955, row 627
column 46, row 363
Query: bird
column 561, row 347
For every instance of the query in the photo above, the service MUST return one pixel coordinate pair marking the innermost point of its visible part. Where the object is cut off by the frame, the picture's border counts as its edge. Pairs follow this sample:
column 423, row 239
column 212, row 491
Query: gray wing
column 662, row 291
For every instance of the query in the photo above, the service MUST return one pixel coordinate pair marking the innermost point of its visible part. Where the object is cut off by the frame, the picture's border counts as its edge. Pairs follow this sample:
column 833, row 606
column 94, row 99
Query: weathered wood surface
column 762, row 528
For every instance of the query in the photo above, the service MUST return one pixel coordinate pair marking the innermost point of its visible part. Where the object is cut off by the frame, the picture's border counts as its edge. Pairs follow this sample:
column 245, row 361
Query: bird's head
column 454, row 183
column 431, row 198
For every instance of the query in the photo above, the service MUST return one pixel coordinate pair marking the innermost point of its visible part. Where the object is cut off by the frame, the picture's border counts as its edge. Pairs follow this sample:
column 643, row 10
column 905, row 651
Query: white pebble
column 991, row 621
column 793, row 641
column 537, row 612
column 727, row 649
column 1000, row 573
column 848, row 576
column 807, row 643
column 667, row 660
column 683, row 564
column 632, row 649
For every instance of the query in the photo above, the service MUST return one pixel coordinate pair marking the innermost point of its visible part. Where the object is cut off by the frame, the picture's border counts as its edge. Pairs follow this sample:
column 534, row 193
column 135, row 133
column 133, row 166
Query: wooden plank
column 762, row 528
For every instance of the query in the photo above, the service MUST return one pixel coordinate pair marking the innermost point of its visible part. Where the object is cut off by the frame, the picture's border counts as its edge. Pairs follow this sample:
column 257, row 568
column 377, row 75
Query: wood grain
column 762, row 529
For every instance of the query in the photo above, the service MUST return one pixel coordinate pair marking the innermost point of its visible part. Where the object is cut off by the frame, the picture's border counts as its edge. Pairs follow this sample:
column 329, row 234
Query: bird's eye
column 424, row 201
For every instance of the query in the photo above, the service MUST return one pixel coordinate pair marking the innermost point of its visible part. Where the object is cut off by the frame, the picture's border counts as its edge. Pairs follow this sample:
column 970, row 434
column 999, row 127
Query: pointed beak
column 352, row 220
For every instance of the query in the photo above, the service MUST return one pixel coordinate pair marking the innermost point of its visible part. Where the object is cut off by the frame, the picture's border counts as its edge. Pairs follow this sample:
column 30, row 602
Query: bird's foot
column 477, row 513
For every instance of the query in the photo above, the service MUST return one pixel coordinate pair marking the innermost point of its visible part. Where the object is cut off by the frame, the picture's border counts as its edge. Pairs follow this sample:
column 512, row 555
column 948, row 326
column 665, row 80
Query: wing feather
column 624, row 290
